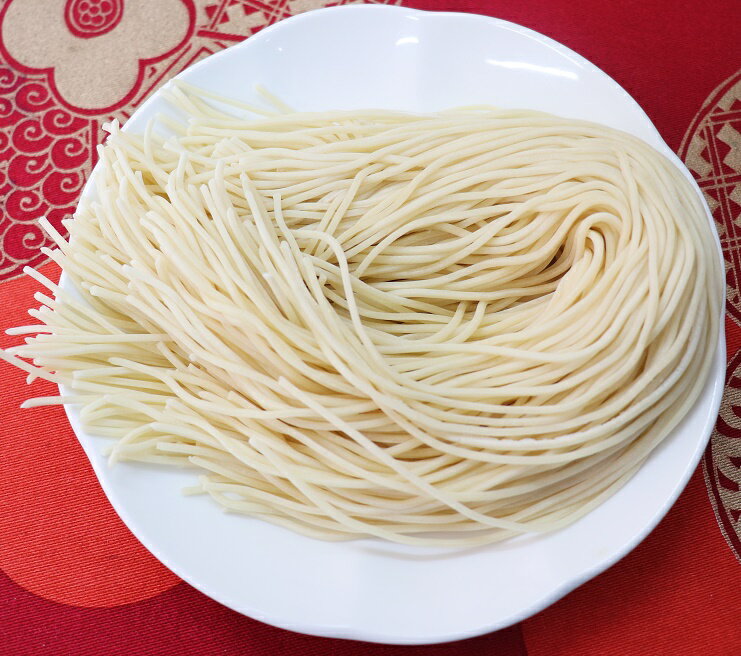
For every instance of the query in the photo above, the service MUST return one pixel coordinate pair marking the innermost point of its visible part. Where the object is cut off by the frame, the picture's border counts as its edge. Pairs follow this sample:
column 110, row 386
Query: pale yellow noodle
column 443, row 329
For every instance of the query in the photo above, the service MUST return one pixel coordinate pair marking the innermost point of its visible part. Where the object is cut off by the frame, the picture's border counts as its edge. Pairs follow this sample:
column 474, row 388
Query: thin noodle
column 443, row 329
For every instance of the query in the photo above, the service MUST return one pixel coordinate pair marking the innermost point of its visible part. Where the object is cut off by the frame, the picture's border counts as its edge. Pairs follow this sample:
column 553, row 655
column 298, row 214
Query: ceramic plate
column 390, row 57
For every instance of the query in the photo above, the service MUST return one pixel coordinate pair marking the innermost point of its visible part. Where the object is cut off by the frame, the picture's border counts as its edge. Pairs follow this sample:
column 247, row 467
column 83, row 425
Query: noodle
column 441, row 329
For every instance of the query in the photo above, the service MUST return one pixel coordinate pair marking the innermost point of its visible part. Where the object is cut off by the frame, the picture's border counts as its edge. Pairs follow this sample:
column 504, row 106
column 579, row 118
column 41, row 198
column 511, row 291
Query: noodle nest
column 439, row 329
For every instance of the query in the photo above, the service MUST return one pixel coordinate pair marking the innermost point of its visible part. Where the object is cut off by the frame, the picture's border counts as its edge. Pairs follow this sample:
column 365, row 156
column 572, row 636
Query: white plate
column 390, row 57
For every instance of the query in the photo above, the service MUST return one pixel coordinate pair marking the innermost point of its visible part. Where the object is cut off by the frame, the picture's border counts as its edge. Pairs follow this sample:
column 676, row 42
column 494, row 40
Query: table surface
column 73, row 580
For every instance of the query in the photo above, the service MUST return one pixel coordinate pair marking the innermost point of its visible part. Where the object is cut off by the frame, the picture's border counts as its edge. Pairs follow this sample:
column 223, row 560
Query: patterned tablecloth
column 73, row 580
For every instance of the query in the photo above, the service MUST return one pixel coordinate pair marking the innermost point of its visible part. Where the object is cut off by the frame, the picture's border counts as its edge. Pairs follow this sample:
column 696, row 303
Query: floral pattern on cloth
column 712, row 151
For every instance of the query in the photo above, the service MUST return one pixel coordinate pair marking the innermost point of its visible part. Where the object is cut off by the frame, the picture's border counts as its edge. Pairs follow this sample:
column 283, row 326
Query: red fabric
column 183, row 622
column 60, row 537
column 73, row 580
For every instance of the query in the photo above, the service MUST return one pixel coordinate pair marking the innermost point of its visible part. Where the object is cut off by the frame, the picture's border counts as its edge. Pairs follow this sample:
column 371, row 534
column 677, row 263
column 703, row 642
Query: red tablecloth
column 72, row 578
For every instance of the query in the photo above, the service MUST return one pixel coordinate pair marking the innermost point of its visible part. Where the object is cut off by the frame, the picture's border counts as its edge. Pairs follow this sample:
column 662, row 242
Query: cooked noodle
column 440, row 329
